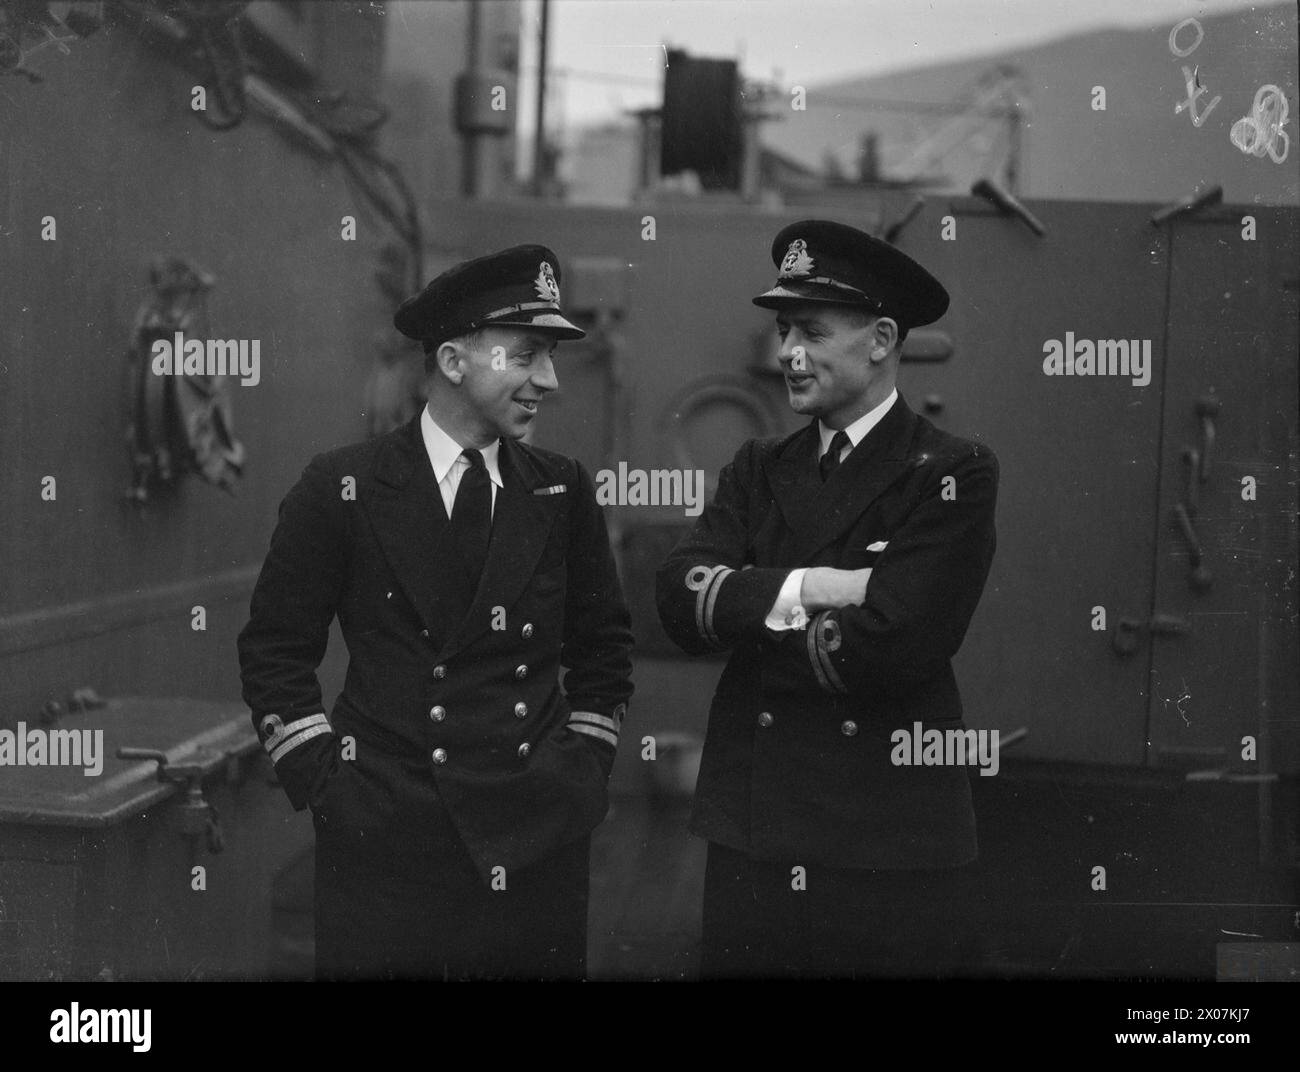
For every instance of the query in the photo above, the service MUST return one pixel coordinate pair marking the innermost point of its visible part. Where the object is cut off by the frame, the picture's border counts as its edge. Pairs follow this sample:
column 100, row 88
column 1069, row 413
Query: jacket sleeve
column 920, row 597
column 709, row 597
column 294, row 601
column 597, row 645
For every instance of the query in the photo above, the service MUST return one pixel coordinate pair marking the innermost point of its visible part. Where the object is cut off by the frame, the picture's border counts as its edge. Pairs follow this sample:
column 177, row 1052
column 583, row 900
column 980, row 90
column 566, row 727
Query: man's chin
column 802, row 404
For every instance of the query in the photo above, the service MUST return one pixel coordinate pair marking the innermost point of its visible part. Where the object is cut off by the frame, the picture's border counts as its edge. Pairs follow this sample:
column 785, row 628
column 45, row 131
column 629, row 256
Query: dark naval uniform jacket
column 796, row 762
column 440, row 718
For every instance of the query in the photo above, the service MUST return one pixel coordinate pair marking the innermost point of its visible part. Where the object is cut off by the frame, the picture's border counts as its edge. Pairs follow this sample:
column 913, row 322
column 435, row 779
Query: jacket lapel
column 792, row 476
column 411, row 524
column 819, row 513
column 521, row 526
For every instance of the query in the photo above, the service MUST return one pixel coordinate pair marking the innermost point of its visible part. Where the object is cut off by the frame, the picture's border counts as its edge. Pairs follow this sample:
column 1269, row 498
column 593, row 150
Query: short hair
column 471, row 340
column 866, row 318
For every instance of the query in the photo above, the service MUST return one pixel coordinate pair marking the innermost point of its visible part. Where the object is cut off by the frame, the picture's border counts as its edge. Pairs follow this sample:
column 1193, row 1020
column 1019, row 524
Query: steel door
column 1225, row 560
column 1078, row 463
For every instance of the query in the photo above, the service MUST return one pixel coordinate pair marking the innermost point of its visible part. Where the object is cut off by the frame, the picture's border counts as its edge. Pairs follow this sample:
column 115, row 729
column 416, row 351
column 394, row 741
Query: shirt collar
column 443, row 450
column 857, row 431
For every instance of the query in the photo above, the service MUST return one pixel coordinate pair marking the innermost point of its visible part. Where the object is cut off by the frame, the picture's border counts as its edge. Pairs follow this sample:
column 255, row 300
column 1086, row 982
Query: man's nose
column 544, row 378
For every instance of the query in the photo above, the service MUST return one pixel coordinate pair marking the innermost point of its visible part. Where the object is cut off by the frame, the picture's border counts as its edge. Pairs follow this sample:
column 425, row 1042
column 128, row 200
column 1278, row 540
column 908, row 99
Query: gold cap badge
column 547, row 288
column 797, row 261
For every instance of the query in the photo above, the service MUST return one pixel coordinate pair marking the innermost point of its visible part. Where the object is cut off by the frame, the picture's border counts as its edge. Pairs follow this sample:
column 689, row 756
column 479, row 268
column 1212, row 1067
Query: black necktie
column 830, row 461
column 471, row 521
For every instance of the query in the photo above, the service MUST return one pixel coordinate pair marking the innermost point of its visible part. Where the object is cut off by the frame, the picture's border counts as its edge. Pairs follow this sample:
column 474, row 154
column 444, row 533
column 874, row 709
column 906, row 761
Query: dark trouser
column 843, row 924
column 441, row 920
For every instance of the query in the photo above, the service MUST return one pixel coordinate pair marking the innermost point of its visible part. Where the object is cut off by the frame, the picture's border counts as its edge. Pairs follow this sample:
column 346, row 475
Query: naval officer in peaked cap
column 456, row 779
column 841, row 579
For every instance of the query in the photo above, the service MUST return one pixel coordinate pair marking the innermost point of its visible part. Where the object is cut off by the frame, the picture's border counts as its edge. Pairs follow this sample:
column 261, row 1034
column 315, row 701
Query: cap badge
column 547, row 288
column 797, row 261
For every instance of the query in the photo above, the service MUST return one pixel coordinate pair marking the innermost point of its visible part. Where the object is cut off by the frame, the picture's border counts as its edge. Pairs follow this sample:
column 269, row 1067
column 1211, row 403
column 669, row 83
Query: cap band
column 827, row 281
column 520, row 308
column 784, row 284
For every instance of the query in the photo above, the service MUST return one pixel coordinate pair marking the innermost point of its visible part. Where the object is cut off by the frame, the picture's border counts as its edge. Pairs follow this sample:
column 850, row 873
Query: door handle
column 1198, row 461
column 1168, row 625
column 1200, row 578
column 1192, row 494
column 1124, row 640
column 1207, row 408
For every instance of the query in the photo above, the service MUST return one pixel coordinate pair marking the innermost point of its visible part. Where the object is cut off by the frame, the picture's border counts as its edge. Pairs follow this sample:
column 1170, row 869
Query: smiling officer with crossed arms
column 840, row 566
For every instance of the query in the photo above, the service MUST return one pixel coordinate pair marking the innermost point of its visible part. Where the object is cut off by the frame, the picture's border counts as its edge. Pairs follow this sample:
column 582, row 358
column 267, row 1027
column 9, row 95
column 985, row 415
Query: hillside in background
column 1137, row 149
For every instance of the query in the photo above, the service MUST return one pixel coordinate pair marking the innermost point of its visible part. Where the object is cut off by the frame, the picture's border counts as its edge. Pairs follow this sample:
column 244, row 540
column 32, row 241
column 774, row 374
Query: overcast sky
column 798, row 42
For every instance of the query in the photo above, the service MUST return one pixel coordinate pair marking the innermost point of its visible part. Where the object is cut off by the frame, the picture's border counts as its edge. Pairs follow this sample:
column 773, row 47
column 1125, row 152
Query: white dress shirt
column 450, row 464
column 786, row 613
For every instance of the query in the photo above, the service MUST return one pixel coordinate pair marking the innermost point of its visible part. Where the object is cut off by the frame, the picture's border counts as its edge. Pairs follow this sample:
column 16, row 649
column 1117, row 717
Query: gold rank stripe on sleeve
column 601, row 727
column 282, row 738
column 705, row 581
column 823, row 637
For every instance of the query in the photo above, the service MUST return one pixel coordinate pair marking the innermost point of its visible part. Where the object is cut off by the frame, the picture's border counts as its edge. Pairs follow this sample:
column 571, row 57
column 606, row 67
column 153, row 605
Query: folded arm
column 917, row 600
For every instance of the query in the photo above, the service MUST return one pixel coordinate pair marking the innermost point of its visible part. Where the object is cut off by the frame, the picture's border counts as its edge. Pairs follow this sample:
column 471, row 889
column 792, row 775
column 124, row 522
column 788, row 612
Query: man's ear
column 884, row 335
column 450, row 362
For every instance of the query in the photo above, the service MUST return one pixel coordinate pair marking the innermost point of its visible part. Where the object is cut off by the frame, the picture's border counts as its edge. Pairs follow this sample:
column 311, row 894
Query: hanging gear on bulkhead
column 179, row 423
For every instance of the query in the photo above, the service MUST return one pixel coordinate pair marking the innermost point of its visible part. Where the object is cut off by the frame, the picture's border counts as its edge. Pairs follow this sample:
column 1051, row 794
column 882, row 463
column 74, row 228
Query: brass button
column 424, row 633
column 521, row 672
column 439, row 672
column 437, row 713
column 766, row 719
column 849, row 728
column 527, row 630
column 270, row 726
column 521, row 710
column 524, row 749
column 440, row 755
